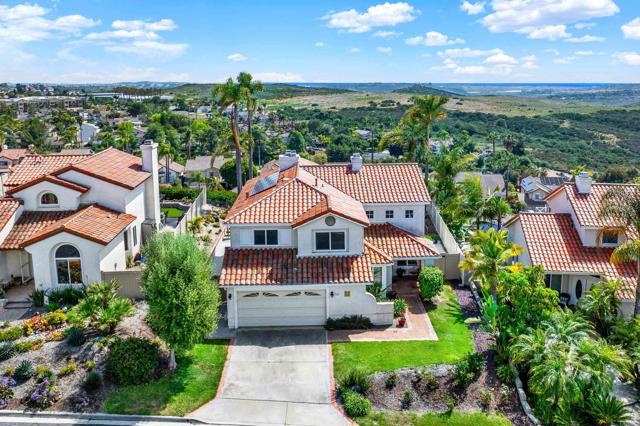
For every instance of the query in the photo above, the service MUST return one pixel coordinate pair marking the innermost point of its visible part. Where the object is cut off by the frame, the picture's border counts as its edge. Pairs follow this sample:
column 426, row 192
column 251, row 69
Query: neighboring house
column 76, row 151
column 305, row 241
column 491, row 183
column 272, row 165
column 535, row 189
column 205, row 165
column 68, row 218
column 88, row 133
column 176, row 171
column 364, row 134
column 573, row 243
column 10, row 157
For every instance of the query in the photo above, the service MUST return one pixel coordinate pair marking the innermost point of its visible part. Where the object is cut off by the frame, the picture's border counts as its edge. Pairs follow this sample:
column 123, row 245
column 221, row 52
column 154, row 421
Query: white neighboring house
column 70, row 217
column 176, row 171
column 305, row 241
column 88, row 133
column 573, row 243
column 536, row 188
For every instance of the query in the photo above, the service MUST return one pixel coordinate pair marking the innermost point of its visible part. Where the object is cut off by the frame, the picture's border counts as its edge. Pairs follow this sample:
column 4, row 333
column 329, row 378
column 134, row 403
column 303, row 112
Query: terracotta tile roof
column 113, row 166
column 296, row 198
column 376, row 183
column 283, row 266
column 273, row 165
column 33, row 166
column 13, row 154
column 397, row 243
column 553, row 242
column 173, row 166
column 48, row 178
column 8, row 207
column 94, row 223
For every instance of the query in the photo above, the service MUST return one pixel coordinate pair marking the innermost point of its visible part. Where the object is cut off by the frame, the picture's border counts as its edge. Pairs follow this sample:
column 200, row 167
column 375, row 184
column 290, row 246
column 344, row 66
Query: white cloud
column 381, row 15
column 134, row 29
column 584, row 25
column 584, row 53
column 433, row 38
column 354, row 50
column 561, row 61
column 237, row 57
column 126, row 74
column 585, row 39
column 529, row 62
column 150, row 48
column 276, row 77
column 632, row 29
column 384, row 49
column 473, row 8
column 555, row 52
column 468, row 53
column 480, row 70
column 386, row 34
column 629, row 58
column 319, row 44
column 105, row 35
column 549, row 32
column 501, row 58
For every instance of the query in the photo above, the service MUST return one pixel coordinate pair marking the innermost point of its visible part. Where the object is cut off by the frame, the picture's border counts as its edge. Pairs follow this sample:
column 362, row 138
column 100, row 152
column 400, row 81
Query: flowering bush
column 43, row 395
column 80, row 400
column 55, row 318
column 36, row 324
column 6, row 391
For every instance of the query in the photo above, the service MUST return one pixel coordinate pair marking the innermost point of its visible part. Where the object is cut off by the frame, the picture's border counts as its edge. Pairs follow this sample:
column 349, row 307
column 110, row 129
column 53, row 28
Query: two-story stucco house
column 67, row 218
column 306, row 240
column 573, row 243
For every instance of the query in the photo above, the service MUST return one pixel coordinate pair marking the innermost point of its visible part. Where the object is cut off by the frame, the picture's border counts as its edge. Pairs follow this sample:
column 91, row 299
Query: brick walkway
column 418, row 326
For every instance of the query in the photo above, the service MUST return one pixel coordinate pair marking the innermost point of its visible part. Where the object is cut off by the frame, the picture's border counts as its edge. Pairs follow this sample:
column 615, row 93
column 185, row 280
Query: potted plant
column 401, row 322
column 3, row 298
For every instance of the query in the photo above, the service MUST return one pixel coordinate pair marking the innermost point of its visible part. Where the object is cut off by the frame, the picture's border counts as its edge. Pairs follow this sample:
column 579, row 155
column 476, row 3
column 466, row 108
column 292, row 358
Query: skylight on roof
column 265, row 183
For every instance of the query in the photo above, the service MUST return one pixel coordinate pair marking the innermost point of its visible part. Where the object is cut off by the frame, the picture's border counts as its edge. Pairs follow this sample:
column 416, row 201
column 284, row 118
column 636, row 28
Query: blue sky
column 355, row 41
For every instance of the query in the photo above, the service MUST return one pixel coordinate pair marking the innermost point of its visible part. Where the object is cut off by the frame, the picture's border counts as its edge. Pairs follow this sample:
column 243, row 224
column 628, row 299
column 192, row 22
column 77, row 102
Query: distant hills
column 421, row 89
column 271, row 90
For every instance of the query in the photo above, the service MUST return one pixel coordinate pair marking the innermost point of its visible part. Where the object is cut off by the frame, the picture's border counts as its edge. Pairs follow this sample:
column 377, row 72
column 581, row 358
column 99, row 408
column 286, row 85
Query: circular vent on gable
column 330, row 221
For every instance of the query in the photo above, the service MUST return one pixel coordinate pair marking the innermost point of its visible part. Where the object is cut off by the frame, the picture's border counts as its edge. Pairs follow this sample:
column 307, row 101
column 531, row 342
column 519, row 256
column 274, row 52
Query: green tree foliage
column 296, row 142
column 132, row 361
column 33, row 132
column 431, row 281
column 601, row 305
column 227, row 172
column 183, row 300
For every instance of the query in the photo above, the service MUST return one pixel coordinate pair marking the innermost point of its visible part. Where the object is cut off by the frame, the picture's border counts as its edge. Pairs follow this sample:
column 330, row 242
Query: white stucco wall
column 10, row 263
column 516, row 235
column 242, row 236
column 101, row 192
column 354, row 236
column 415, row 225
column 559, row 203
column 68, row 199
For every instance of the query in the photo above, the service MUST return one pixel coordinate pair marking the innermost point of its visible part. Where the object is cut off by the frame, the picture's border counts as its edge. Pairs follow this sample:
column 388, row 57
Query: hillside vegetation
column 271, row 91
column 422, row 89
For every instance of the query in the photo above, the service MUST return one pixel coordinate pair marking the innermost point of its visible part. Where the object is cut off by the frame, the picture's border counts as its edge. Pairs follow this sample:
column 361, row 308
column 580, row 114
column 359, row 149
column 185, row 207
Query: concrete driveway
column 276, row 378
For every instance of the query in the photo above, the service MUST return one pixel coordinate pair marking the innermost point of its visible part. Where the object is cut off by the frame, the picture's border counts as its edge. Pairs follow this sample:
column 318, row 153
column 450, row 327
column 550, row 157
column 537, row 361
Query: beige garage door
column 281, row 308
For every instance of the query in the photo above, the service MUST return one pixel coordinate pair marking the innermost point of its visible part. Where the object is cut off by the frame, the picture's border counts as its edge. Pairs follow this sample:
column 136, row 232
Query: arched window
column 48, row 198
column 68, row 265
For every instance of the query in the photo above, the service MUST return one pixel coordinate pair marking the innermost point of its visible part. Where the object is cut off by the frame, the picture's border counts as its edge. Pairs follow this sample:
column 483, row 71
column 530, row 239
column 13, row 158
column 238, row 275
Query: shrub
column 80, row 400
column 506, row 374
column 355, row 405
column 408, row 398
column 7, row 350
column 607, row 410
column 37, row 298
column 110, row 317
column 352, row 322
column 179, row 193
column 75, row 336
column 55, row 318
column 356, row 379
column 221, row 198
column 36, row 324
column 43, row 395
column 132, row 360
column 6, row 390
column 475, row 361
column 429, row 380
column 431, row 280
column 400, row 307
column 9, row 372
column 29, row 345
column 44, row 372
column 68, row 369
column 391, row 381
column 12, row 333
column 67, row 296
column 486, row 400
column 451, row 404
column 5, row 324
column 89, row 365
column 55, row 336
column 92, row 382
column 467, row 368
column 24, row 370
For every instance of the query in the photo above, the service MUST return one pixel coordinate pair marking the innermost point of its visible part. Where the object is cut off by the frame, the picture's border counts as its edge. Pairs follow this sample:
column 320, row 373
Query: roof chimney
column 356, row 162
column 583, row 183
column 288, row 160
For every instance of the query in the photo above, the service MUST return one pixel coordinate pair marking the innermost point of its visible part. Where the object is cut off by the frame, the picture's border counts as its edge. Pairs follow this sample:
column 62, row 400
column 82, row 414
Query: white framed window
column 377, row 275
column 331, row 241
column 554, row 282
column 265, row 237
column 537, row 196
column 369, row 214
column 49, row 199
column 388, row 214
column 610, row 237
column 408, row 214
column 68, row 265
column 126, row 240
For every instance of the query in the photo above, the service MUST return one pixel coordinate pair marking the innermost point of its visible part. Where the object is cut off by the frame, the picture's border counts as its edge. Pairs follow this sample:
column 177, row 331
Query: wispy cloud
column 277, row 77
column 433, row 38
column 237, row 57
column 381, row 15
column 384, row 49
column 632, row 29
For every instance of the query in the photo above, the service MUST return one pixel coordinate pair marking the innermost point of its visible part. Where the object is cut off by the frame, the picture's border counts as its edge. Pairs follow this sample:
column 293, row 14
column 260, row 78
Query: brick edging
column 332, row 385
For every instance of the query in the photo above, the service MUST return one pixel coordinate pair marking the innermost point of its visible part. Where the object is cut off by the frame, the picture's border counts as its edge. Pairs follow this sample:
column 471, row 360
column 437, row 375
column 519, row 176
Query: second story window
column 265, row 237
column 610, row 237
column 369, row 214
column 48, row 199
column 388, row 214
column 408, row 214
column 330, row 241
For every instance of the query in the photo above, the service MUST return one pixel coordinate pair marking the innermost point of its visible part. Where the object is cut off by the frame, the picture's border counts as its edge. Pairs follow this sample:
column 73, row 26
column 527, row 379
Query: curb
column 96, row 418
column 332, row 385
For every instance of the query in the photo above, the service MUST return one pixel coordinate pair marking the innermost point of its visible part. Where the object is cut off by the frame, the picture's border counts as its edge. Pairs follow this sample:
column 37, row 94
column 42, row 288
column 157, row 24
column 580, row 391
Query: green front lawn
column 194, row 382
column 431, row 419
column 171, row 212
column 454, row 341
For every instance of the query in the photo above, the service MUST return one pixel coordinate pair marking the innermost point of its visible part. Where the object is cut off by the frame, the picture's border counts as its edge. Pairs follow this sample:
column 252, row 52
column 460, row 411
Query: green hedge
column 431, row 281
column 132, row 361
column 221, row 198
column 179, row 193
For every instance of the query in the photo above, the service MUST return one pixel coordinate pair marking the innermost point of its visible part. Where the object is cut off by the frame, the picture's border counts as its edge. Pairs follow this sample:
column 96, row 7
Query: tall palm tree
column 621, row 206
column 225, row 95
column 249, row 89
column 490, row 253
column 492, row 137
column 425, row 111
column 446, row 165
column 166, row 150
column 497, row 207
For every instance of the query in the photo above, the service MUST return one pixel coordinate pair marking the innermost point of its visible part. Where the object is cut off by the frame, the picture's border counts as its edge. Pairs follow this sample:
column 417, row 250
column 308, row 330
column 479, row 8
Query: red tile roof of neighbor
column 8, row 207
column 33, row 166
column 553, row 242
column 283, row 266
column 296, row 198
column 397, row 243
column 94, row 223
column 274, row 165
column 51, row 179
column 376, row 183
column 13, row 154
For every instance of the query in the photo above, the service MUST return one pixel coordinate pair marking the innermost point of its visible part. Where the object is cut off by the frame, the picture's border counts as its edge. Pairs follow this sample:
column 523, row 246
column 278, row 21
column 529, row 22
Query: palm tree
column 166, row 150
column 446, row 165
column 492, row 137
column 250, row 88
column 424, row 112
column 199, row 178
column 621, row 207
column 490, row 253
column 231, row 94
column 497, row 207
column 601, row 305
